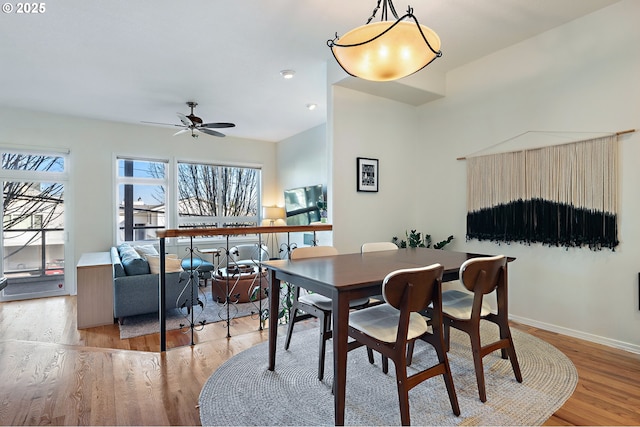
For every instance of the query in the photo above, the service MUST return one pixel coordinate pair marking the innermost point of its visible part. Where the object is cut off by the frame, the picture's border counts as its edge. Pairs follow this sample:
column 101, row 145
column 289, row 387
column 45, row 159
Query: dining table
column 342, row 278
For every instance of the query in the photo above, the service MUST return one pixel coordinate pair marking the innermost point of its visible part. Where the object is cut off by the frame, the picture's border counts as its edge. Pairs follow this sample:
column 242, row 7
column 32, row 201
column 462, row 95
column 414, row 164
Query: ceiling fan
column 193, row 124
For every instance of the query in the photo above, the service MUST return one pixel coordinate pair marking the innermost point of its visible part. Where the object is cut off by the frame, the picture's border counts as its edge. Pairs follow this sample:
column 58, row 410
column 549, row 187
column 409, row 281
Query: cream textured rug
column 243, row 392
column 212, row 312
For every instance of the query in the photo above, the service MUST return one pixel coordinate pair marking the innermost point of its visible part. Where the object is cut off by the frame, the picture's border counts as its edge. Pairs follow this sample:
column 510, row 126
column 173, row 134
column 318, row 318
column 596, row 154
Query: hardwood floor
column 52, row 373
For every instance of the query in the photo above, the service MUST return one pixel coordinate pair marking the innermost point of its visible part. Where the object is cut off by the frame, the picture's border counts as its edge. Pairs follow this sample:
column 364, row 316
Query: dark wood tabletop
column 343, row 278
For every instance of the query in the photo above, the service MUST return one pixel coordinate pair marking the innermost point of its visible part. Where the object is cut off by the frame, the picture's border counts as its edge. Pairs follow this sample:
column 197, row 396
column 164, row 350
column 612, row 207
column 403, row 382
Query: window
column 217, row 196
column 204, row 195
column 141, row 199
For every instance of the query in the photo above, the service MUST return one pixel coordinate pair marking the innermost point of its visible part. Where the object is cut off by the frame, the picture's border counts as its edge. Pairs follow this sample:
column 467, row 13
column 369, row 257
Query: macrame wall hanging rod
column 545, row 132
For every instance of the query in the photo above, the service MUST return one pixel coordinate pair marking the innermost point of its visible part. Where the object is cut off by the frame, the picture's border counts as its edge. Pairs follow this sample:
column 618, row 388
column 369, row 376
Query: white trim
column 40, row 176
column 632, row 348
column 227, row 164
column 141, row 181
column 71, row 282
column 34, row 149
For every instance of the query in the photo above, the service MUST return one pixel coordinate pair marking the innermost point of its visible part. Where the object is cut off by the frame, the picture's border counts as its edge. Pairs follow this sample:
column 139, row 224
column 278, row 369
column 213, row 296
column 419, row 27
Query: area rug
column 243, row 392
column 212, row 312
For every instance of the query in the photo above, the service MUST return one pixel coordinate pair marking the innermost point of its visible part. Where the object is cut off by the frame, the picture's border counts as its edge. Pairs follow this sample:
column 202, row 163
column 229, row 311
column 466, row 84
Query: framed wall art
column 367, row 174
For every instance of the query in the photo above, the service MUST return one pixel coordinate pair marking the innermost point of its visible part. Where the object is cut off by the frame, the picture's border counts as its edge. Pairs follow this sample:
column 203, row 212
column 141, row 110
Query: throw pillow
column 127, row 251
column 146, row 250
column 171, row 264
column 124, row 247
column 133, row 263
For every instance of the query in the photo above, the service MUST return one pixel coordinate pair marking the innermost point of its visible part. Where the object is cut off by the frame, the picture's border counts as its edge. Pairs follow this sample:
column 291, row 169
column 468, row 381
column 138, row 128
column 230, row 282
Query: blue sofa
column 137, row 291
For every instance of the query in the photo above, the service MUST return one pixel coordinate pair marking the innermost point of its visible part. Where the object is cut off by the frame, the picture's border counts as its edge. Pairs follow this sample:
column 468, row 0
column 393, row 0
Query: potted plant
column 415, row 240
column 322, row 206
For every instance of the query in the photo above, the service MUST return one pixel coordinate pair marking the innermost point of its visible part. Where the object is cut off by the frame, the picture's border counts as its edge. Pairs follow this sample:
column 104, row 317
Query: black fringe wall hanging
column 563, row 195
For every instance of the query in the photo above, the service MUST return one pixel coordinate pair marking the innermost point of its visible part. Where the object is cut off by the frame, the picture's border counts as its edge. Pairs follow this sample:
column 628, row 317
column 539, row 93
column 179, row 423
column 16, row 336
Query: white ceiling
column 132, row 61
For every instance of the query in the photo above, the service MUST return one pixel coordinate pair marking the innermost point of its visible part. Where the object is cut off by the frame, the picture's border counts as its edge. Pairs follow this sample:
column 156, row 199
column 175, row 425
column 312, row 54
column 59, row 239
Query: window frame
column 133, row 180
column 173, row 219
column 220, row 220
column 45, row 177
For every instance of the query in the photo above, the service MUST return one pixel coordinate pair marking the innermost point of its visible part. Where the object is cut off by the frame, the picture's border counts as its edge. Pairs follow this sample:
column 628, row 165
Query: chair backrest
column 313, row 251
column 424, row 281
column 483, row 274
column 378, row 246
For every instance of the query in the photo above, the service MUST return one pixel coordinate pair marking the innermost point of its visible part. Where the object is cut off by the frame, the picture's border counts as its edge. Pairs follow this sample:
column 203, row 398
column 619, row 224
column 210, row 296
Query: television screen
column 301, row 204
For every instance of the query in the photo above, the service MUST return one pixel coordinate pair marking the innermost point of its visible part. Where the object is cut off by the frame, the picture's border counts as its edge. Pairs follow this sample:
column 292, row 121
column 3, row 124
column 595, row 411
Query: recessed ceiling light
column 287, row 74
column 311, row 107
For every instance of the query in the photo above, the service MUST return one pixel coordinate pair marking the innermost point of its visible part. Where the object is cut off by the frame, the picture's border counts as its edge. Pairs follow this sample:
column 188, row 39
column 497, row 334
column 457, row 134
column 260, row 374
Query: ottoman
column 241, row 281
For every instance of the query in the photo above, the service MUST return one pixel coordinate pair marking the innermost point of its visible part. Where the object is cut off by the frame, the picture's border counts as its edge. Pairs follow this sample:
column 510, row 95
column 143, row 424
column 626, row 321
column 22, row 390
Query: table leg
column 340, row 306
column 274, row 308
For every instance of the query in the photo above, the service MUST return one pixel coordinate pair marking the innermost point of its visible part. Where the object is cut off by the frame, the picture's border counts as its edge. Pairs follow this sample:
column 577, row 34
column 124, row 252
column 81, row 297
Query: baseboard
column 633, row 348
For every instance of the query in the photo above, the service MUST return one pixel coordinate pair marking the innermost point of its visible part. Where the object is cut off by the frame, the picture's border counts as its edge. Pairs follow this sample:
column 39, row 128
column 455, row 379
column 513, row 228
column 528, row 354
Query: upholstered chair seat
column 381, row 322
column 324, row 303
column 459, row 304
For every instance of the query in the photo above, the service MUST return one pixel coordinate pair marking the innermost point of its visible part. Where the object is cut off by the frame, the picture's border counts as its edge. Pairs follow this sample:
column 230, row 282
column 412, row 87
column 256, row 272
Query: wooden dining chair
column 316, row 305
column 379, row 247
column 464, row 311
column 390, row 326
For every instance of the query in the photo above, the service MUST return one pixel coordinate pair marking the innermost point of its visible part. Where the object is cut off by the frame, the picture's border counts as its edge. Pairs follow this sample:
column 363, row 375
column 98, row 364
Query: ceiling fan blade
column 217, row 125
column 163, row 124
column 182, row 131
column 210, row 132
column 185, row 120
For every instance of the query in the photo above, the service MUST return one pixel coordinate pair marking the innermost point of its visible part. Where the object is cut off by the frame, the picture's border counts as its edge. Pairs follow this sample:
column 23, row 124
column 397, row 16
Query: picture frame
column 367, row 174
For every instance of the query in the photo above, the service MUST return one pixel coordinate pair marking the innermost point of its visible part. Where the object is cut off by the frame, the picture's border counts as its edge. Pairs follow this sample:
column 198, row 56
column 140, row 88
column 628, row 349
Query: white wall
column 93, row 145
column 580, row 77
column 373, row 127
column 303, row 161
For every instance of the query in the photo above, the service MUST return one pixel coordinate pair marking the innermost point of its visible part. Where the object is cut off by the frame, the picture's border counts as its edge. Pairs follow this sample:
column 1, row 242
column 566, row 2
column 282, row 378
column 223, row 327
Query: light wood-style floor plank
column 52, row 373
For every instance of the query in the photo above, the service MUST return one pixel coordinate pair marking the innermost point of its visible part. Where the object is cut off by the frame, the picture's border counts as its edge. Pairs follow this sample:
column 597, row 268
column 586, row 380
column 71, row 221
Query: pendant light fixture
column 386, row 50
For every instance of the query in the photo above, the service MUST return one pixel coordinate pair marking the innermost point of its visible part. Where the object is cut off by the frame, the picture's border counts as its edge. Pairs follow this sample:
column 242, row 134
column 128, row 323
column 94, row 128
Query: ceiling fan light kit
column 386, row 50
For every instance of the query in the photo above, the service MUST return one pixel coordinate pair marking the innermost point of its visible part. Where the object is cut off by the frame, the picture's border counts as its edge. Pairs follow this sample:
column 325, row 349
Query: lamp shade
column 386, row 50
column 273, row 213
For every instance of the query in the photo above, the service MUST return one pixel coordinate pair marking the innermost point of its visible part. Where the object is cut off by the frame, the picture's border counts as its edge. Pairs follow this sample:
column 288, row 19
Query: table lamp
column 272, row 214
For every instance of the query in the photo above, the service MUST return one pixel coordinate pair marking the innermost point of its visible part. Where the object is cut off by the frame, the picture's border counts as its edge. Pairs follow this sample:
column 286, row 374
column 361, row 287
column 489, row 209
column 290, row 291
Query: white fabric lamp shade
column 273, row 213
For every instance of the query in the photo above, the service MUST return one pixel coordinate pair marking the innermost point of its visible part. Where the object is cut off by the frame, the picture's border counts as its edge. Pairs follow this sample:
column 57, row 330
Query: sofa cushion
column 171, row 264
column 146, row 250
column 132, row 261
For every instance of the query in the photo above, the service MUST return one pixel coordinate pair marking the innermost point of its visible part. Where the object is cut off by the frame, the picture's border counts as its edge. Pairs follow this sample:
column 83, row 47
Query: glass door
column 33, row 226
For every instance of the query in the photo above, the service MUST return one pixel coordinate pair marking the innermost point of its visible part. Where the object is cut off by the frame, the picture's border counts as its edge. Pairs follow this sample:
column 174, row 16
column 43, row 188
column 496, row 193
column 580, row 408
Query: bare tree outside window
column 23, row 200
column 217, row 191
column 197, row 190
column 206, row 195
column 33, row 214
column 240, row 191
